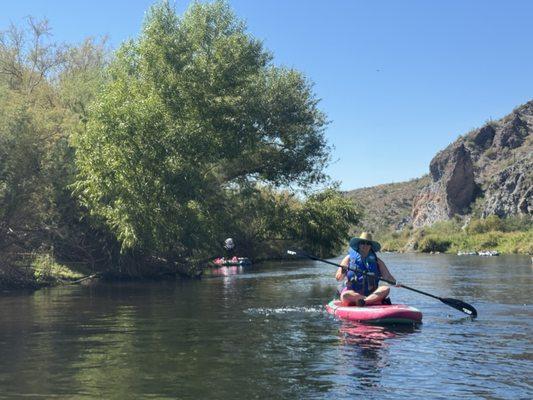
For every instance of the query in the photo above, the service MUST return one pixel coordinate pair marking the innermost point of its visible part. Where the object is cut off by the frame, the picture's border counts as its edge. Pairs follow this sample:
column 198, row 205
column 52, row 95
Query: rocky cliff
column 489, row 170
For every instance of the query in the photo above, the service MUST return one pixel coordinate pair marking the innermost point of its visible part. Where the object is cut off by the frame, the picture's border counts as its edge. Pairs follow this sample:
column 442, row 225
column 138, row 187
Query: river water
column 263, row 333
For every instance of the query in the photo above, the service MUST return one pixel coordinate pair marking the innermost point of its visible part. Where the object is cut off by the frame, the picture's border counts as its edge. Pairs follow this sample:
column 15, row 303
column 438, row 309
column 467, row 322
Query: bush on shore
column 513, row 235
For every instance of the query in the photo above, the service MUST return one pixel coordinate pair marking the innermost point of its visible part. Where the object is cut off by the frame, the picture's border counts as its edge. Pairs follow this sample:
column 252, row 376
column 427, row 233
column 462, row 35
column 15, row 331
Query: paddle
column 457, row 304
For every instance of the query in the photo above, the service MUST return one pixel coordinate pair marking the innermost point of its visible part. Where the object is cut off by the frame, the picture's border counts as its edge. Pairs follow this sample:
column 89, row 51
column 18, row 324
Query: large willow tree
column 194, row 117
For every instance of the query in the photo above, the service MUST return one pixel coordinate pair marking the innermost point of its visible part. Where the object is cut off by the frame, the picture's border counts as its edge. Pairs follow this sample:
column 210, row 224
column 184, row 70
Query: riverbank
column 41, row 271
column 512, row 236
column 448, row 237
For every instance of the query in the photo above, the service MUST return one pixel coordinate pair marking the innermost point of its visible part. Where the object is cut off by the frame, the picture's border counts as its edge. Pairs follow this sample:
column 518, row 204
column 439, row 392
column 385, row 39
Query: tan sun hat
column 365, row 237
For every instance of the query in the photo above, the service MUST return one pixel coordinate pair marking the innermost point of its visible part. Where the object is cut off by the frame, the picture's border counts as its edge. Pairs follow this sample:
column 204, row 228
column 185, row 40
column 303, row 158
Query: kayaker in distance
column 230, row 257
column 229, row 248
column 360, row 289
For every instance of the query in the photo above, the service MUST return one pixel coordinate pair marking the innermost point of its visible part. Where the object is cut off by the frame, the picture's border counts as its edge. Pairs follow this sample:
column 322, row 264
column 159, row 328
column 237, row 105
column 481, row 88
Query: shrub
column 491, row 223
column 430, row 244
column 489, row 240
column 517, row 223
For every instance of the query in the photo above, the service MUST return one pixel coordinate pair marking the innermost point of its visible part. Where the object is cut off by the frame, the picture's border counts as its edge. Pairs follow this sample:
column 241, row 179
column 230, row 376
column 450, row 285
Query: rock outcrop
column 452, row 190
column 493, row 163
column 511, row 191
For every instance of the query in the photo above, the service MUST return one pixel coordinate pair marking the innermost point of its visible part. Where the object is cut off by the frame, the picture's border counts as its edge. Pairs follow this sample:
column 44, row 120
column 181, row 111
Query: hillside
column 487, row 171
column 389, row 206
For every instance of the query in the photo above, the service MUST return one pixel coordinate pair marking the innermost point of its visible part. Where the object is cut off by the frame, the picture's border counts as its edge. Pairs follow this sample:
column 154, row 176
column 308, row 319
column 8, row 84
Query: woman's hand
column 340, row 274
column 342, row 270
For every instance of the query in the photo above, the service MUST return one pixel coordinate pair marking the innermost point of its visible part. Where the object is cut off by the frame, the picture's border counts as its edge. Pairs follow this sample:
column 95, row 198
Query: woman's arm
column 342, row 271
column 385, row 271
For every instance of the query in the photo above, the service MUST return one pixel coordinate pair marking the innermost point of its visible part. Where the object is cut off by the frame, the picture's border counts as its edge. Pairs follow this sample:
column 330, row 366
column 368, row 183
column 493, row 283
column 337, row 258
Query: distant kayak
column 377, row 314
column 232, row 262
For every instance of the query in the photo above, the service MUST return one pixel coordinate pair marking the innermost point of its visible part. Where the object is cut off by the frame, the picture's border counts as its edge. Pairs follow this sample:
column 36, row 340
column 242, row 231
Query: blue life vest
column 359, row 282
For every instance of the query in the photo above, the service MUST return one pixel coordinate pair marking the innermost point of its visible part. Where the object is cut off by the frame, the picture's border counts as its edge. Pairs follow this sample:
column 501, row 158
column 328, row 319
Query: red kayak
column 377, row 314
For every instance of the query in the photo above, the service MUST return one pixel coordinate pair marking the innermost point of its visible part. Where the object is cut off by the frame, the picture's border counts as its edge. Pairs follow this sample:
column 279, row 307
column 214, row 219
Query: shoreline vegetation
column 512, row 235
column 137, row 163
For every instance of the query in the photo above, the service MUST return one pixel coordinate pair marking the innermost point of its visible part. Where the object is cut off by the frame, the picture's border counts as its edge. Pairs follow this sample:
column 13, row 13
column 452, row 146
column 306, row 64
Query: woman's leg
column 377, row 296
column 350, row 298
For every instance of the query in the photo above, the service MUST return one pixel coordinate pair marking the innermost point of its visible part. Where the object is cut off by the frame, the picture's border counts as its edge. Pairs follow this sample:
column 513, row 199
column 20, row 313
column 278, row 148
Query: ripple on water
column 283, row 310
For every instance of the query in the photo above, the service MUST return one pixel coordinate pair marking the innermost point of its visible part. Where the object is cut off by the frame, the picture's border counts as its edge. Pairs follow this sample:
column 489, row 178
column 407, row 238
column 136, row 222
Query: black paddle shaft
column 457, row 304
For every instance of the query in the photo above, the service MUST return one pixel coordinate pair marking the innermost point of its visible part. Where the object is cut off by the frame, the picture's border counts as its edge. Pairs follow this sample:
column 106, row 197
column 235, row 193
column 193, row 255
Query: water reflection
column 365, row 336
column 365, row 351
column 226, row 270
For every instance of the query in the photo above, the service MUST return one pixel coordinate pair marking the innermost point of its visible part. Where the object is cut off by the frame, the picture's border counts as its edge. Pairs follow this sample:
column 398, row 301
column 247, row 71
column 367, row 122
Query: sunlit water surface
column 262, row 332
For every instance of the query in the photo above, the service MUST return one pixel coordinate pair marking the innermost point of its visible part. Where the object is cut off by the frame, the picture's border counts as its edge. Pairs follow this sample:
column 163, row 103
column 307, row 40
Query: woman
column 363, row 288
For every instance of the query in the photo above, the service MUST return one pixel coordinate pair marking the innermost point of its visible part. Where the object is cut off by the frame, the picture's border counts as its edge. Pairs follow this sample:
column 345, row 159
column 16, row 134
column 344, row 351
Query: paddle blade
column 461, row 306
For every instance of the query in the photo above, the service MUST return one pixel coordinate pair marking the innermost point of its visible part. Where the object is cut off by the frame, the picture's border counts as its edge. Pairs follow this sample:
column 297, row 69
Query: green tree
column 193, row 115
column 325, row 220
column 37, row 211
column 28, row 122
column 268, row 221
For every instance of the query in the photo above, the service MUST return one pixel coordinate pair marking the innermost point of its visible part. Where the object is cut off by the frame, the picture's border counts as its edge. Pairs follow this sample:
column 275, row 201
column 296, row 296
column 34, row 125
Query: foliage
column 188, row 135
column 491, row 223
column 46, row 270
column 506, row 235
column 37, row 211
column 395, row 240
column 324, row 222
column 445, row 227
column 270, row 221
column 517, row 242
column 431, row 244
column 495, row 223
column 194, row 116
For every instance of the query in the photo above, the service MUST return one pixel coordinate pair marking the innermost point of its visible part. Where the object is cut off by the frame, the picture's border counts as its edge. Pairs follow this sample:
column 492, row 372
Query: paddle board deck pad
column 376, row 314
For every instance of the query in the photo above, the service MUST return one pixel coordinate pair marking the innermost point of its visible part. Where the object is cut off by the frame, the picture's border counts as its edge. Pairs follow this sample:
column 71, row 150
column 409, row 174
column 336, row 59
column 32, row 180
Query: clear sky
column 399, row 80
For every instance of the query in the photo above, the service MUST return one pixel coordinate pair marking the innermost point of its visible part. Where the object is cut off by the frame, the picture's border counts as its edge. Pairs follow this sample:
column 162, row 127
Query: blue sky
column 399, row 80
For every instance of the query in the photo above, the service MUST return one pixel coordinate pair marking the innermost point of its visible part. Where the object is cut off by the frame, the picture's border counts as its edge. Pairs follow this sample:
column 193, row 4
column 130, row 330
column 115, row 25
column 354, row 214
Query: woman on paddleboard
column 361, row 287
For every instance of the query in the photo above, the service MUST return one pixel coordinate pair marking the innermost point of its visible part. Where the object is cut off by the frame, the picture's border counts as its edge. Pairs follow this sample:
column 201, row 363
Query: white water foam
column 283, row 310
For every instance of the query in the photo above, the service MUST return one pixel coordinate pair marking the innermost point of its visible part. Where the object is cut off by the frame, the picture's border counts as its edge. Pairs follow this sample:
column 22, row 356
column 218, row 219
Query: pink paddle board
column 377, row 314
